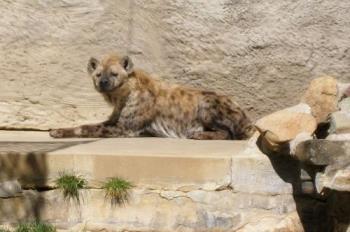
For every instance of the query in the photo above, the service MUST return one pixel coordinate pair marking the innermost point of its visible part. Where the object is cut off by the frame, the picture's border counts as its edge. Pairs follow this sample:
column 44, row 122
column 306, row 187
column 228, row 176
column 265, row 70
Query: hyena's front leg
column 100, row 130
column 84, row 131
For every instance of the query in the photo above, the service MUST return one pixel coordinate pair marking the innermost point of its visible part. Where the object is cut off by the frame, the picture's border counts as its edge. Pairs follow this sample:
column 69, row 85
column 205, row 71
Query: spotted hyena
column 147, row 106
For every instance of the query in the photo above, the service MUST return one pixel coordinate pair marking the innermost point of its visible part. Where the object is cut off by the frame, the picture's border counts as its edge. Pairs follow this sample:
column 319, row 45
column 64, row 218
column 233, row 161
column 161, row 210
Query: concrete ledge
column 170, row 163
column 180, row 185
column 33, row 136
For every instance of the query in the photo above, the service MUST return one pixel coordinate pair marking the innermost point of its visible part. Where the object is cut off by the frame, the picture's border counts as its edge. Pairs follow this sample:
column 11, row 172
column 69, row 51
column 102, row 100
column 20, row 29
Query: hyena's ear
column 92, row 65
column 127, row 64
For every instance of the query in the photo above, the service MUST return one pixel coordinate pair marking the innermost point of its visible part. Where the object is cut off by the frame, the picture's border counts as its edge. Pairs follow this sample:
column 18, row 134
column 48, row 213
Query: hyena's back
column 183, row 112
column 219, row 112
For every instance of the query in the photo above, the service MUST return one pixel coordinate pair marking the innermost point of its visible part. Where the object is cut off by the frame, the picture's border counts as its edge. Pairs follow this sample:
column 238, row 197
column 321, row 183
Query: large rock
column 262, row 52
column 336, row 177
column 10, row 189
column 344, row 89
column 344, row 105
column 340, row 122
column 323, row 152
column 335, row 155
column 322, row 97
column 279, row 128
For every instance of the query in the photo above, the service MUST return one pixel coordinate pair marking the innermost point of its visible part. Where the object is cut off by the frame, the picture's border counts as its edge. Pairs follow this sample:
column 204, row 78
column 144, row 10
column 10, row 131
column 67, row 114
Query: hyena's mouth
column 110, row 88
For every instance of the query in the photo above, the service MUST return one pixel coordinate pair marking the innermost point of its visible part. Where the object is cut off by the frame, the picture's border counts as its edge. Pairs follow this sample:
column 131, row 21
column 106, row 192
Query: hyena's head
column 109, row 73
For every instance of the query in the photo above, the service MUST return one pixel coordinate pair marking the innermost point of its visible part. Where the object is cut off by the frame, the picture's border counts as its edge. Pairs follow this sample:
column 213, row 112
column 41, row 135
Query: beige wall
column 263, row 52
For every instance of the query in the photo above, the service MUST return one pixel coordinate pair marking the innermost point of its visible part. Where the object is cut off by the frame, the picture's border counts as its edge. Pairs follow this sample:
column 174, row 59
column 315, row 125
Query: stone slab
column 323, row 152
column 149, row 210
column 170, row 163
column 34, row 136
column 150, row 161
column 256, row 173
column 340, row 122
column 10, row 189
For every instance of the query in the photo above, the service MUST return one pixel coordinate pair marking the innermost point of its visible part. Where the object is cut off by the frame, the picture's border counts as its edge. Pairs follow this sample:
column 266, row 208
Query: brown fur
column 144, row 105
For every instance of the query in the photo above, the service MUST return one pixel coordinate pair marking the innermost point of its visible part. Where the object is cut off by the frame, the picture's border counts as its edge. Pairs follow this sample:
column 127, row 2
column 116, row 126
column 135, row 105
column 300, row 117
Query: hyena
column 143, row 106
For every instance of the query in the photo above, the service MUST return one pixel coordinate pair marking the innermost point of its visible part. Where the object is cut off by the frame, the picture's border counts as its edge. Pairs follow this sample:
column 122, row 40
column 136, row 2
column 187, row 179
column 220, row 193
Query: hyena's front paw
column 57, row 133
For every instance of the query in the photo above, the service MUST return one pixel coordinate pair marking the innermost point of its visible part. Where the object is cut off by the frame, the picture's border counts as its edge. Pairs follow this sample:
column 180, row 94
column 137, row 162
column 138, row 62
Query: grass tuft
column 117, row 189
column 35, row 227
column 70, row 185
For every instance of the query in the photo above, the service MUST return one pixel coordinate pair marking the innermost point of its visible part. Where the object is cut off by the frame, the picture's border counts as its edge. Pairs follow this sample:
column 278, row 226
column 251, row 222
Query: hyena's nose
column 104, row 83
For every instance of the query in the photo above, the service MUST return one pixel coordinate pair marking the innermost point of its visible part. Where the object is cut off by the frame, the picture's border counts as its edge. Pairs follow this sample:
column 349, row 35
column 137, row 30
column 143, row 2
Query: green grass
column 117, row 190
column 70, row 184
column 35, row 227
column 4, row 230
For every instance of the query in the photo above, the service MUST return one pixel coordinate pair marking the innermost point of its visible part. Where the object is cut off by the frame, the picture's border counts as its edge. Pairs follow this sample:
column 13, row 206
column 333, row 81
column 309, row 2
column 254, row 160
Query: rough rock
column 262, row 52
column 333, row 137
column 344, row 105
column 334, row 157
column 10, row 189
column 149, row 210
column 336, row 177
column 254, row 172
column 340, row 122
column 289, row 223
column 323, row 152
column 344, row 89
column 278, row 128
column 322, row 97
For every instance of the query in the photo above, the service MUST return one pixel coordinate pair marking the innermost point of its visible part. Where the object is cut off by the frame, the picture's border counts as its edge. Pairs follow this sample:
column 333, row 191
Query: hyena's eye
column 114, row 74
column 98, row 74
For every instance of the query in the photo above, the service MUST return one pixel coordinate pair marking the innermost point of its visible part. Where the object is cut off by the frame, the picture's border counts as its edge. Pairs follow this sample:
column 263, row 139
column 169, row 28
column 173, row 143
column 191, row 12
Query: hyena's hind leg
column 220, row 113
column 100, row 130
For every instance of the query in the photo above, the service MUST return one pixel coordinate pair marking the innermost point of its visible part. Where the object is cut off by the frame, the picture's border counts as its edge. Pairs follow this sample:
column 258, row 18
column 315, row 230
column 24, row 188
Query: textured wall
column 263, row 52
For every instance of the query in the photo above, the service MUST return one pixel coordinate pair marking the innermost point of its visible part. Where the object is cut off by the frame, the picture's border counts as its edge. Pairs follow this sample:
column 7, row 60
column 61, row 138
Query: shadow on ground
column 25, row 162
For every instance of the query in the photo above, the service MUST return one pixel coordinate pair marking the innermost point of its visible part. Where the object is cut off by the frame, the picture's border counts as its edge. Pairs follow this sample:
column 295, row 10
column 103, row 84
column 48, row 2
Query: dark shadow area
column 25, row 163
column 326, row 213
column 322, row 130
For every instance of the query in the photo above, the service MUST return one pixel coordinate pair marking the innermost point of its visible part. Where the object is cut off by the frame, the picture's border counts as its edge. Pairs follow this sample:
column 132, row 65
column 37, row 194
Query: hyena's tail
column 221, row 113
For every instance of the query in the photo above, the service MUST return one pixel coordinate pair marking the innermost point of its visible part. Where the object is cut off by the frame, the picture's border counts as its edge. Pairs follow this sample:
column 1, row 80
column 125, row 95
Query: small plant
column 70, row 185
column 35, row 227
column 117, row 190
column 4, row 230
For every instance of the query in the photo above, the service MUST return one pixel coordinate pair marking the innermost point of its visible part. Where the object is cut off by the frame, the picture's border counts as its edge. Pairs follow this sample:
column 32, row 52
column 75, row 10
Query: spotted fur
column 147, row 106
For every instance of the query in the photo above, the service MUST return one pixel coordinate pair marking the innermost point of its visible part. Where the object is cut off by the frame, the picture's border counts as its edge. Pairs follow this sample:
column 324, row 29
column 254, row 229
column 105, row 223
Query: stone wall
column 262, row 52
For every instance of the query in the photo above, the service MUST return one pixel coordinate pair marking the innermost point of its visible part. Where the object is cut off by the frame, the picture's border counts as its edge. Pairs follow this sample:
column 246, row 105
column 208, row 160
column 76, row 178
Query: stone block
column 150, row 161
column 323, row 152
column 340, row 122
column 257, row 173
column 10, row 189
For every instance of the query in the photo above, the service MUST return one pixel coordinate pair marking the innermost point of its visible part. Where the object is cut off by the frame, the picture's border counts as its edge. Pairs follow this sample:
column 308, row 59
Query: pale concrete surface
column 170, row 163
column 262, row 52
column 175, row 163
column 33, row 136
column 151, row 161
column 163, row 147
column 255, row 174
column 179, row 185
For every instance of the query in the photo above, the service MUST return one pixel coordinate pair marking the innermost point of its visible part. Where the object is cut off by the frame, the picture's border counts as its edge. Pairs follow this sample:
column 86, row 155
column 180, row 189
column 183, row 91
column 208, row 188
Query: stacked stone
column 326, row 101
column 317, row 133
